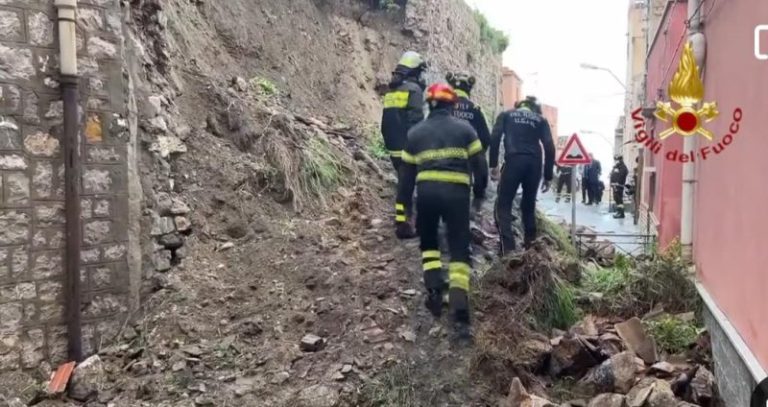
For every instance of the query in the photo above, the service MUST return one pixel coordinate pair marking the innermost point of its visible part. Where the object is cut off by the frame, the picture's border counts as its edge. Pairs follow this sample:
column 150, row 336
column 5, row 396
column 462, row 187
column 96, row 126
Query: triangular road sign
column 574, row 153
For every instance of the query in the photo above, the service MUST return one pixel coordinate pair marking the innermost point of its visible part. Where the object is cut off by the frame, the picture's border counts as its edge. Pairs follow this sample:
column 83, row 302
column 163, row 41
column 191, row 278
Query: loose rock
column 87, row 379
column 317, row 396
column 312, row 343
column 607, row 400
column 702, row 386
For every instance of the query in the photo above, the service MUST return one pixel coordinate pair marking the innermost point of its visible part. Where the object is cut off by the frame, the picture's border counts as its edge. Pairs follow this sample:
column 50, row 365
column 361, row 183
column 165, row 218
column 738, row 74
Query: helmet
column 461, row 81
column 441, row 92
column 412, row 60
column 530, row 103
column 618, row 157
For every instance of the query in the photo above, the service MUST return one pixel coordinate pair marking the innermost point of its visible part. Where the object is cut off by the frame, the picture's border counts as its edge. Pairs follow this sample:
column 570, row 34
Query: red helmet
column 441, row 92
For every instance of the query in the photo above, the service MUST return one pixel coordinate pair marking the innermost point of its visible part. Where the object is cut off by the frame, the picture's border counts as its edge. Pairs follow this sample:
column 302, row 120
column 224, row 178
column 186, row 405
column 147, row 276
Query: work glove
column 545, row 186
column 495, row 174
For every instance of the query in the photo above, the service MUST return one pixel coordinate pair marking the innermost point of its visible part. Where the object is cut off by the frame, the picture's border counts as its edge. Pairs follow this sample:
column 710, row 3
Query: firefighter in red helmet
column 444, row 161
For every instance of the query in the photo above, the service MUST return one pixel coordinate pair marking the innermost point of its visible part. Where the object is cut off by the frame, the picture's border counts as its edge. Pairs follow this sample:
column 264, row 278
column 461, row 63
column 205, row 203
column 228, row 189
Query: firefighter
column 442, row 157
column 468, row 110
column 524, row 131
column 403, row 108
column 564, row 179
column 618, row 180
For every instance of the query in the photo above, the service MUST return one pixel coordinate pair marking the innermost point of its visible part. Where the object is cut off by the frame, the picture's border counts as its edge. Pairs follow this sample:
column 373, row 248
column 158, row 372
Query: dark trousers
column 593, row 192
column 450, row 203
column 618, row 196
column 564, row 180
column 519, row 170
column 584, row 189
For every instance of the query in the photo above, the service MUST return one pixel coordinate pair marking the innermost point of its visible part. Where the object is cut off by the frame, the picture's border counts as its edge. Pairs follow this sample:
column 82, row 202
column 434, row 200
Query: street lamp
column 599, row 68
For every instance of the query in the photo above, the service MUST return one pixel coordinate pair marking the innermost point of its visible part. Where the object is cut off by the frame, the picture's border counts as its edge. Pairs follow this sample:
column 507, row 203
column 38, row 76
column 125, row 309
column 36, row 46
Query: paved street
column 595, row 217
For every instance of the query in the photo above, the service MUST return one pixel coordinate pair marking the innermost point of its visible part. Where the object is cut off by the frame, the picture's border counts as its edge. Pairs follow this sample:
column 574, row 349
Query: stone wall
column 448, row 34
column 32, row 329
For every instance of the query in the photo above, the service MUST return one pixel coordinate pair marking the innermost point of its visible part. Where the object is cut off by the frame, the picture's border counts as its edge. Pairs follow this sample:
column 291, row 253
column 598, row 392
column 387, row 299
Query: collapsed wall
column 147, row 70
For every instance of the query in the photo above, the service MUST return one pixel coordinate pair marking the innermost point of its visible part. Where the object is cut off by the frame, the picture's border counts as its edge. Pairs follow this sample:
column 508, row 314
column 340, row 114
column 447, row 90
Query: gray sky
column 552, row 37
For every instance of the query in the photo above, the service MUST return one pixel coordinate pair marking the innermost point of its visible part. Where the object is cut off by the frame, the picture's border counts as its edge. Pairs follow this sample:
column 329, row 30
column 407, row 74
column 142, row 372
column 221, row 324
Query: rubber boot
column 461, row 321
column 434, row 282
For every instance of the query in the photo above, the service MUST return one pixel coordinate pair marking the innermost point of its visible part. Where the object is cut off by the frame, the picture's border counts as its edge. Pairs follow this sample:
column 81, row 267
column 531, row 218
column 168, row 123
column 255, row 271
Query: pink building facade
column 730, row 226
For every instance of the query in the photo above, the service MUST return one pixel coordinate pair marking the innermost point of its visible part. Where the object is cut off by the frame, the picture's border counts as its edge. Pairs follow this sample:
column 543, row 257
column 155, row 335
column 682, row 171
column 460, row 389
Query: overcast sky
column 549, row 39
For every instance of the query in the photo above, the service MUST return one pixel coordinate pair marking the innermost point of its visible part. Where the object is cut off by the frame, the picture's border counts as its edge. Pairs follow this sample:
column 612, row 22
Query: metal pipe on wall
column 689, row 143
column 67, row 12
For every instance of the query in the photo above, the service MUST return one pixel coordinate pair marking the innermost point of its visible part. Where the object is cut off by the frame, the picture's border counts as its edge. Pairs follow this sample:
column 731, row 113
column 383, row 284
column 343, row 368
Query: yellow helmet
column 412, row 60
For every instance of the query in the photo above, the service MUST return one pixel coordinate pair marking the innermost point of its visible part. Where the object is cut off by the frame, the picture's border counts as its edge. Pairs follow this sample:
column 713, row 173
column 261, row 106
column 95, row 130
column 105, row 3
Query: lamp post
column 599, row 68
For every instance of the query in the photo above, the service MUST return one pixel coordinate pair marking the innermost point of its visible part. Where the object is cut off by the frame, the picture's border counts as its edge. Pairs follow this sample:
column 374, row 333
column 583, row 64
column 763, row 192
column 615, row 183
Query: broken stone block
column 702, row 386
column 662, row 395
column 161, row 225
column 182, row 224
column 87, row 379
column 640, row 393
column 662, row 369
column 178, row 207
column 311, row 343
column 171, row 241
column 570, row 357
column 634, row 336
column 616, row 374
column 162, row 260
column 607, row 400
column 519, row 397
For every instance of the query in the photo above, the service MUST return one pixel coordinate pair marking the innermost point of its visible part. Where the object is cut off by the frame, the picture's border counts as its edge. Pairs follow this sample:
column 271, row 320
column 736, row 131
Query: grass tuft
column 672, row 334
column 632, row 287
column 374, row 142
column 494, row 38
column 558, row 308
column 393, row 388
column 322, row 169
column 264, row 86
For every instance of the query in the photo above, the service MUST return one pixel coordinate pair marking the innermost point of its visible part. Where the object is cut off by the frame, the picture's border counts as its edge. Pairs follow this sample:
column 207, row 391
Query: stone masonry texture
column 32, row 326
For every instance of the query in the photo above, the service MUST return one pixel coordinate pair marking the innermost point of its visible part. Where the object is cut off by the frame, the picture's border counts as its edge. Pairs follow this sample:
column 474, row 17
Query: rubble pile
column 614, row 364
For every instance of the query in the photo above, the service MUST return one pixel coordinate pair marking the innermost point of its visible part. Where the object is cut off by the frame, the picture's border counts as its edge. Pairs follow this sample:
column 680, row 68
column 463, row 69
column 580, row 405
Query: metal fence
column 629, row 244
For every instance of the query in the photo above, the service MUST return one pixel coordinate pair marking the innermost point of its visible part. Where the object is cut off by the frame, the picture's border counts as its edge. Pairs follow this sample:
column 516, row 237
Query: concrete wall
column 730, row 188
column 663, row 60
column 550, row 113
column 31, row 169
column 511, row 88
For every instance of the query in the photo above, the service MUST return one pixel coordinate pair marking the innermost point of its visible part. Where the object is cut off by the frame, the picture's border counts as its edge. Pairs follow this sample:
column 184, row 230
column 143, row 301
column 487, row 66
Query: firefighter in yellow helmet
column 403, row 108
column 441, row 159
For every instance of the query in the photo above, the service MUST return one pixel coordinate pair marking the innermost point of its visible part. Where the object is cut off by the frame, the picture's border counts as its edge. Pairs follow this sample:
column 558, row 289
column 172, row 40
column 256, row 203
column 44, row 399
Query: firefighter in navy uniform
column 442, row 158
column 618, row 180
column 524, row 132
column 564, row 179
column 466, row 109
column 403, row 108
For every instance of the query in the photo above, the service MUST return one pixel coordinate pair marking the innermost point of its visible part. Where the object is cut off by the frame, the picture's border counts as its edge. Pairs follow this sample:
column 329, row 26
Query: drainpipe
column 67, row 10
column 689, row 143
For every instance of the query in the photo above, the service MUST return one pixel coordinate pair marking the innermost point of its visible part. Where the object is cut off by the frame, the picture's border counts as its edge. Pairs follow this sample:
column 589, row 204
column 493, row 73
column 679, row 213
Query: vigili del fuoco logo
column 688, row 118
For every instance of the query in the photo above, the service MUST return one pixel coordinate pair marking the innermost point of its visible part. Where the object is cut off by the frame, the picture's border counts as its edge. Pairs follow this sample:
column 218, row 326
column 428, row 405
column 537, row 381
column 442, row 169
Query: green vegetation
column 374, row 142
column 557, row 233
column 672, row 334
column 264, row 86
column 496, row 39
column 388, row 5
column 558, row 308
column 321, row 167
column 635, row 287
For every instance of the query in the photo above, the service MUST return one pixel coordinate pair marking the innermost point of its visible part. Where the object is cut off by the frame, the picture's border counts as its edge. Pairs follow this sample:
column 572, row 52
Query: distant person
column 594, row 170
column 443, row 160
column 584, row 184
column 564, row 179
column 618, row 180
column 524, row 131
column 466, row 109
column 403, row 109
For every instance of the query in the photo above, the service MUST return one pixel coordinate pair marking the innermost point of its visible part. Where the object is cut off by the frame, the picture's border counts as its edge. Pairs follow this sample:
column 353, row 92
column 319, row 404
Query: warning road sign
column 574, row 153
